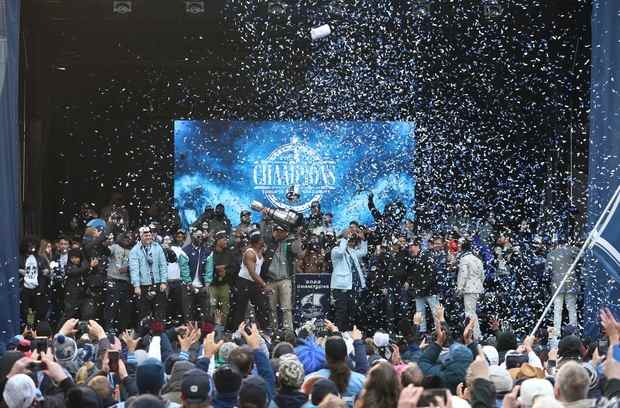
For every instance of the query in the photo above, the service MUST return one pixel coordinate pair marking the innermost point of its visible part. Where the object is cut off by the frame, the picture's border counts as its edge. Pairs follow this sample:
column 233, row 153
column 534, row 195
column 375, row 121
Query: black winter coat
column 421, row 275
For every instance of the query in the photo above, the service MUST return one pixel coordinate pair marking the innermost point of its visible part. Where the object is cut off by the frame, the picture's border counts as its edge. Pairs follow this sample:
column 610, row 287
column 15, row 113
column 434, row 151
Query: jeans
column 249, row 291
column 470, row 301
column 117, row 305
column 420, row 307
column 282, row 296
column 220, row 300
column 570, row 300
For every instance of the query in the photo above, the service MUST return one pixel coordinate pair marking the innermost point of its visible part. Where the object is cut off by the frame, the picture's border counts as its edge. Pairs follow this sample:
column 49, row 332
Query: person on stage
column 196, row 301
column 559, row 261
column 280, row 257
column 348, row 279
column 222, row 262
column 470, row 282
column 116, row 292
column 250, row 285
column 148, row 271
column 178, row 268
column 422, row 279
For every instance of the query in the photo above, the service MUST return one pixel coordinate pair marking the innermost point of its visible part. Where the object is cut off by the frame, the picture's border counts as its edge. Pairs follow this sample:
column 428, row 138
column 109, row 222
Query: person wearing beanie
column 290, row 378
column 150, row 376
column 227, row 381
column 253, row 393
column 171, row 391
column 349, row 383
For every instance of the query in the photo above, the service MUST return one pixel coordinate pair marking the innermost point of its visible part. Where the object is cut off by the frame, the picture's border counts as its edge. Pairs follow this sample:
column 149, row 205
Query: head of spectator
column 336, row 356
column 20, row 392
column 82, row 396
column 148, row 401
column 411, row 375
column 197, row 237
column 532, row 389
column 321, row 389
column 253, row 393
column 101, row 385
column 571, row 383
column 150, row 376
column 569, row 348
column 179, row 238
column 243, row 359
column 227, row 381
column 172, row 389
column 195, row 387
column 491, row 355
column 382, row 387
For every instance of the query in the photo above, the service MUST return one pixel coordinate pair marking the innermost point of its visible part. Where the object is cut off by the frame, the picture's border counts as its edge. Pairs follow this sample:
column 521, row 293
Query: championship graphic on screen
column 334, row 163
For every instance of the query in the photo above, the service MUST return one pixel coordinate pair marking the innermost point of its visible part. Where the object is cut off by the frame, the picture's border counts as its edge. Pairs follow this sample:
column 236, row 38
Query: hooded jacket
column 143, row 274
column 290, row 398
column 452, row 370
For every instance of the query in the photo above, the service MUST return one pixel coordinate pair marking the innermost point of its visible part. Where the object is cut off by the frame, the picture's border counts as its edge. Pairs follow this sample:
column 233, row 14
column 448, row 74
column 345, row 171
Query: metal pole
column 574, row 264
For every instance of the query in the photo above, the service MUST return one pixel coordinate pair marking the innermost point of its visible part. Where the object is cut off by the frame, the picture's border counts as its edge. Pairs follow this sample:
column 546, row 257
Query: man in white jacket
column 470, row 282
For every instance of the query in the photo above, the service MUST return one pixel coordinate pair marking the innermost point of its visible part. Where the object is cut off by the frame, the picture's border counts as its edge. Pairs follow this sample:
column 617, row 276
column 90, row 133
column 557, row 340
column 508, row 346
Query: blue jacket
column 139, row 270
column 342, row 257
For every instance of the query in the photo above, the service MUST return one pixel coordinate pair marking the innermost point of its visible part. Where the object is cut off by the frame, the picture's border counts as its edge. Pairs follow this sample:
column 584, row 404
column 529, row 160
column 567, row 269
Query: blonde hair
column 101, row 385
column 331, row 401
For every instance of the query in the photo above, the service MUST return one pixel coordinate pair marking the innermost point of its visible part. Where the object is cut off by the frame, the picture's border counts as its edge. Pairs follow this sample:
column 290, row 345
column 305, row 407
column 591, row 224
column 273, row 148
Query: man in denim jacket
column 148, row 270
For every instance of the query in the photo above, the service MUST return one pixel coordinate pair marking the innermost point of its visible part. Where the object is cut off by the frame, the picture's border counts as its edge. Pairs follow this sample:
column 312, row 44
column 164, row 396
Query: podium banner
column 311, row 297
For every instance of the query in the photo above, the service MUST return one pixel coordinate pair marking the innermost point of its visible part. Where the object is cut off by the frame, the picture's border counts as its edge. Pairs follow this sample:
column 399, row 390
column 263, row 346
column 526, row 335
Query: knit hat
column 195, row 387
column 225, row 350
column 291, row 371
column 534, row 388
column 491, row 354
column 501, row 378
column 20, row 392
column 311, row 355
column 253, row 392
column 179, row 369
column 321, row 389
column 65, row 349
column 227, row 380
column 336, row 349
column 150, row 376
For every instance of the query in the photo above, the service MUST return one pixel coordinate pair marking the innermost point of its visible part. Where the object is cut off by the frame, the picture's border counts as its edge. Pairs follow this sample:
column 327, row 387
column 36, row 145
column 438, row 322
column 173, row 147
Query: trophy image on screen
column 288, row 218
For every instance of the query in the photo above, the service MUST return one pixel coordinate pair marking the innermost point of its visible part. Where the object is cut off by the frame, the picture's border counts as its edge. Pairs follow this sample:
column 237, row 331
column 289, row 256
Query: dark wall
column 497, row 100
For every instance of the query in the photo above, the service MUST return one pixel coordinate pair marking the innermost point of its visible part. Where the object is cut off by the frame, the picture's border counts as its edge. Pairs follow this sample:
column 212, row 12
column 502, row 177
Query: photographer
column 348, row 280
column 95, row 243
column 312, row 259
column 149, row 274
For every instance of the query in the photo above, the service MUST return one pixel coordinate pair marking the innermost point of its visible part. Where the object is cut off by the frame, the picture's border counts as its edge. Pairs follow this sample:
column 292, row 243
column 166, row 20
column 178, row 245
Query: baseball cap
column 220, row 235
column 280, row 227
column 195, row 387
column 534, row 388
column 20, row 392
column 500, row 377
column 253, row 391
column 491, row 354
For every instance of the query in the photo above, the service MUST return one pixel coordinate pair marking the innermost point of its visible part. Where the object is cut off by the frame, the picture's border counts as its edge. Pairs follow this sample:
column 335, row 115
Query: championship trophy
column 288, row 218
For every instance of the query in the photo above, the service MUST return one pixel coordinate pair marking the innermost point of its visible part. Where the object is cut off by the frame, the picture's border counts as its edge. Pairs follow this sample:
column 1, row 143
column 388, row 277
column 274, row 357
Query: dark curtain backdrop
column 604, row 167
column 9, row 169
